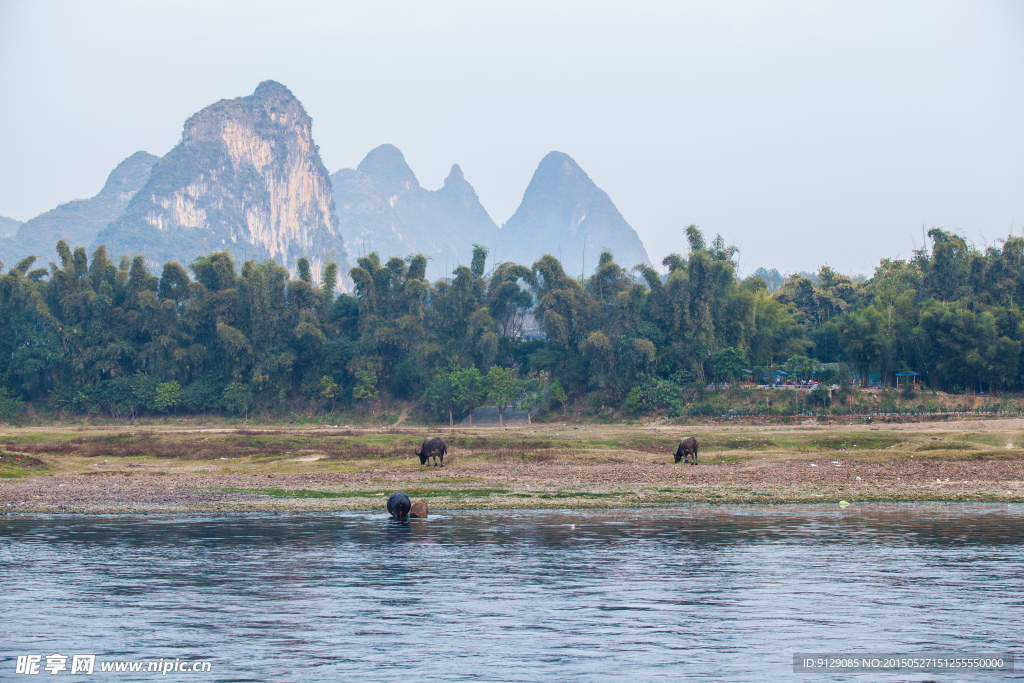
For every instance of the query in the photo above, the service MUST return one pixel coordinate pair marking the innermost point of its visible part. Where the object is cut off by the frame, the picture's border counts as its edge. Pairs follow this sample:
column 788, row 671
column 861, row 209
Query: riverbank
column 125, row 469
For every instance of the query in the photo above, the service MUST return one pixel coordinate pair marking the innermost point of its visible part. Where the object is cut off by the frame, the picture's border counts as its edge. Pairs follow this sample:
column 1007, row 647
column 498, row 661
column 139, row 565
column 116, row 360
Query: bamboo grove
column 91, row 335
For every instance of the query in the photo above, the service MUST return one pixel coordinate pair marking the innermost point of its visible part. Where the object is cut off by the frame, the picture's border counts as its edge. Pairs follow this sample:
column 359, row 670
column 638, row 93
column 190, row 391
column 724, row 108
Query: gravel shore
column 518, row 485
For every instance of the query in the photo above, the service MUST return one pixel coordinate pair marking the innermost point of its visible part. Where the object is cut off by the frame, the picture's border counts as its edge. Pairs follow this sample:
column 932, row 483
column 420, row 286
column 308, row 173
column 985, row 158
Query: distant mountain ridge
column 80, row 221
column 563, row 213
column 8, row 226
column 246, row 178
column 382, row 207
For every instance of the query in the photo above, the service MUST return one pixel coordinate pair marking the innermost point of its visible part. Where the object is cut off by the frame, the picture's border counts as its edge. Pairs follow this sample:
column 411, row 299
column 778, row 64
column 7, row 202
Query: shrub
column 819, row 396
column 238, row 398
column 10, row 407
column 650, row 394
column 167, row 395
column 201, row 395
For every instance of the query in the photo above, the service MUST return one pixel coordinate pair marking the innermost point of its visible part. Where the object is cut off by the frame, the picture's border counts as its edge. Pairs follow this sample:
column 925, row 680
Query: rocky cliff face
column 382, row 207
column 81, row 220
column 563, row 213
column 246, row 178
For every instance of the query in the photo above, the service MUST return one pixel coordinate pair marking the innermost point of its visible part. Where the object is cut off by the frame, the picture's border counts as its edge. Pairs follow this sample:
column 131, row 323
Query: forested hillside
column 91, row 335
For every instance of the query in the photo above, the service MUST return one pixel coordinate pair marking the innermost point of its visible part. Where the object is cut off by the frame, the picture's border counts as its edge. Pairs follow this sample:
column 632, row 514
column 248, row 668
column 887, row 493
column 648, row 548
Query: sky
column 805, row 133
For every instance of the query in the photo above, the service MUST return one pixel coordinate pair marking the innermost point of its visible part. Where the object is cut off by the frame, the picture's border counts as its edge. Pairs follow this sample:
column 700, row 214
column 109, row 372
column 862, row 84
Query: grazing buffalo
column 419, row 509
column 432, row 448
column 398, row 505
column 687, row 447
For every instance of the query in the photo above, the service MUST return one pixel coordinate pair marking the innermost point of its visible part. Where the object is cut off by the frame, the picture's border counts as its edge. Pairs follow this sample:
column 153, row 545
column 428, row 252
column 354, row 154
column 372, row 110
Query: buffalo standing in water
column 432, row 448
column 398, row 505
column 687, row 447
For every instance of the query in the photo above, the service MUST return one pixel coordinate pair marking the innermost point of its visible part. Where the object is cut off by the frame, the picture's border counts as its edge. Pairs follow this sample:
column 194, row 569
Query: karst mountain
column 81, row 220
column 382, row 208
column 247, row 177
column 563, row 213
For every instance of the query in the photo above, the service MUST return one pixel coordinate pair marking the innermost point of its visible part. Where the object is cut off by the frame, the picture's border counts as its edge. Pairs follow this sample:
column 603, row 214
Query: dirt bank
column 522, row 485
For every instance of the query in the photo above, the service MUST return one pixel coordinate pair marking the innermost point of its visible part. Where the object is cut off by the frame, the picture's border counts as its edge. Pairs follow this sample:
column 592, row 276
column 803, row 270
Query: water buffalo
column 398, row 505
column 687, row 447
column 432, row 448
column 419, row 509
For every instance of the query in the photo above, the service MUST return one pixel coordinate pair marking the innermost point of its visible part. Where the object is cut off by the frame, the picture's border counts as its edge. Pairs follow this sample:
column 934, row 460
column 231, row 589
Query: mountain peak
column 558, row 169
column 270, row 109
column 272, row 90
column 130, row 174
column 279, row 104
column 455, row 177
column 81, row 220
column 564, row 213
column 246, row 177
column 383, row 208
column 556, row 159
column 457, row 190
column 387, row 168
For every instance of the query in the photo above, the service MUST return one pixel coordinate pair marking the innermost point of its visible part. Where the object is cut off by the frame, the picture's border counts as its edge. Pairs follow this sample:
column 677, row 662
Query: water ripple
column 692, row 593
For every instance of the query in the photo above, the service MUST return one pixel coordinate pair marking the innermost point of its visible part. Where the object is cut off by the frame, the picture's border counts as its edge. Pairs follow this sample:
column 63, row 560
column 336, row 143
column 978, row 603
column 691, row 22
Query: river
column 697, row 592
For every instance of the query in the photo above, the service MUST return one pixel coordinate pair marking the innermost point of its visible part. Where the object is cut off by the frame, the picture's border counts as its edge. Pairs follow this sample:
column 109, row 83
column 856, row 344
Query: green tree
column 444, row 394
column 801, row 366
column 167, row 395
column 238, row 398
column 470, row 390
column 531, row 395
column 502, row 389
column 557, row 393
column 329, row 390
column 728, row 362
column 365, row 372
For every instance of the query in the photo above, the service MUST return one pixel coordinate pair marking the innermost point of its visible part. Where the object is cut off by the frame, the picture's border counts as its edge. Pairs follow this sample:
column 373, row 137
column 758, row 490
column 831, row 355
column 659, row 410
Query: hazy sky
column 803, row 132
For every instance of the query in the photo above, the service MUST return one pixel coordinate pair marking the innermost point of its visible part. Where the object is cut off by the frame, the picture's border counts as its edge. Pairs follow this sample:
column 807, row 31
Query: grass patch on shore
column 849, row 442
column 294, row 450
column 948, row 446
column 19, row 465
column 741, row 443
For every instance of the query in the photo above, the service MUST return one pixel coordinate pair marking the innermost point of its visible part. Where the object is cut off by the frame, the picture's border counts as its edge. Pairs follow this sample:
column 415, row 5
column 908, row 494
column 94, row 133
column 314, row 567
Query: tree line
column 94, row 335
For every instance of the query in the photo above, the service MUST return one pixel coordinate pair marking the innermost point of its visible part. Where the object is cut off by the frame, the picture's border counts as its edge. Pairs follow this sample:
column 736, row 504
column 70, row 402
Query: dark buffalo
column 687, row 447
column 432, row 448
column 399, row 505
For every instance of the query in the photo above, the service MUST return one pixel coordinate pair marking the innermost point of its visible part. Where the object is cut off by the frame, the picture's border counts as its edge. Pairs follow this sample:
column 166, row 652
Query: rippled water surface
column 702, row 592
